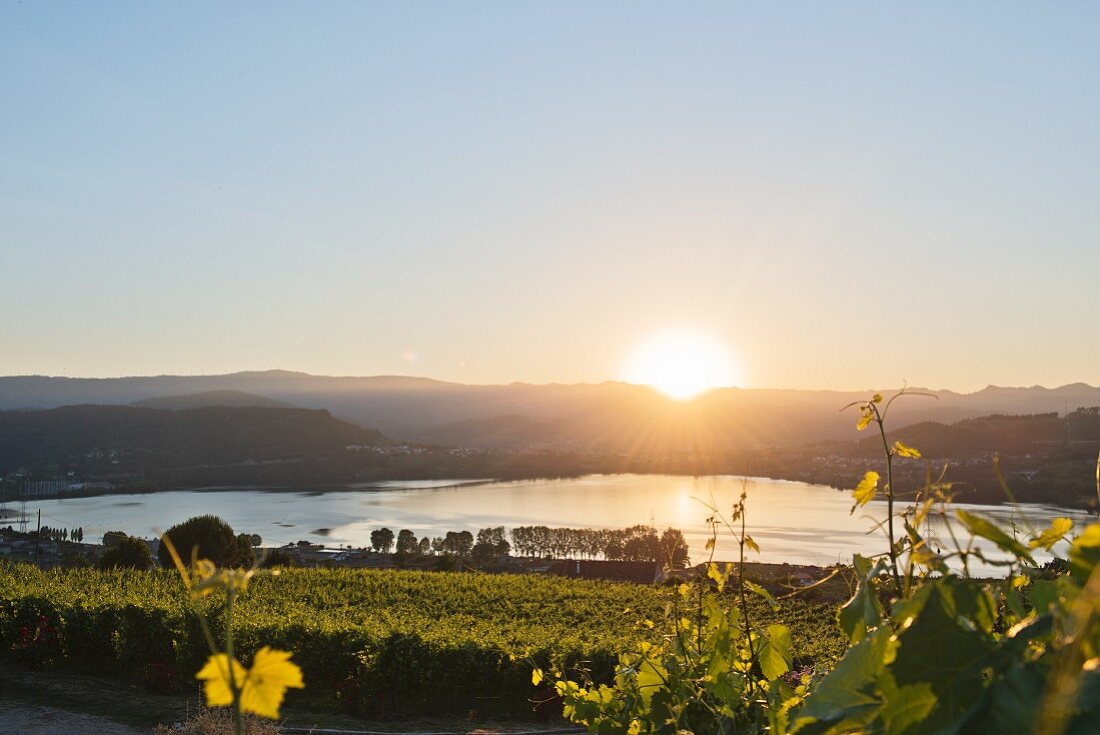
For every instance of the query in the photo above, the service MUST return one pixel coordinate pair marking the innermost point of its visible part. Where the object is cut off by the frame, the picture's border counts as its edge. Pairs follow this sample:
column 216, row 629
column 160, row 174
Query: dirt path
column 56, row 701
column 17, row 718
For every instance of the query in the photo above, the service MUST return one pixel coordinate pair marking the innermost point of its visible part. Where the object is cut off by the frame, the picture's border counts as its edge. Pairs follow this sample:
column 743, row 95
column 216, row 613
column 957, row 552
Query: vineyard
column 379, row 643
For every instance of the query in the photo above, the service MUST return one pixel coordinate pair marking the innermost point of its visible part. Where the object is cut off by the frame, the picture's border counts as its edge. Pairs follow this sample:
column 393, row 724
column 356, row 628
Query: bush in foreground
column 219, row 722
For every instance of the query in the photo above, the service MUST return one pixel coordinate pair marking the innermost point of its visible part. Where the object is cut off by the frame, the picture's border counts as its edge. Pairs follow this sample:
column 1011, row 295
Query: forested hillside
column 105, row 437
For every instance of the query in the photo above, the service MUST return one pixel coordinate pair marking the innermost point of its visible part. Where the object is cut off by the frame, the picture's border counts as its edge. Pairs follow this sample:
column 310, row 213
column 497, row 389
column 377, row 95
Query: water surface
column 791, row 521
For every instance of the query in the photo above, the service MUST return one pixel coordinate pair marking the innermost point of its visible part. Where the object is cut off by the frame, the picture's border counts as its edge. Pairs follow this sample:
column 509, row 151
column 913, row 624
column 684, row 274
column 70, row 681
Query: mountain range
column 609, row 417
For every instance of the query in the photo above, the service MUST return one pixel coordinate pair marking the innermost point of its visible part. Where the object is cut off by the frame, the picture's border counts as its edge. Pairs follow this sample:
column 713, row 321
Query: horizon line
column 390, row 376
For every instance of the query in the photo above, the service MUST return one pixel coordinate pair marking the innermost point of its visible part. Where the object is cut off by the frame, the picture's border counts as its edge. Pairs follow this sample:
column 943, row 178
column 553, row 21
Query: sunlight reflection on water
column 791, row 521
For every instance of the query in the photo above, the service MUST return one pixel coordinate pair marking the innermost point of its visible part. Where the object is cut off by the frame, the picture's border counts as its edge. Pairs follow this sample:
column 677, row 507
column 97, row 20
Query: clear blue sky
column 846, row 194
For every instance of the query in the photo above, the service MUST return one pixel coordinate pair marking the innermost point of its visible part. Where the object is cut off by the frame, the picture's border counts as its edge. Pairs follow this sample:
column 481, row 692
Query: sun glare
column 682, row 364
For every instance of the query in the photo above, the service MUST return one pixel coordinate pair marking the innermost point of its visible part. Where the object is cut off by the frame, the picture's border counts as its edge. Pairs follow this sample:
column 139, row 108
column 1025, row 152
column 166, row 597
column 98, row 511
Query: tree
column 674, row 549
column 406, row 542
column 465, row 543
column 483, row 552
column 110, row 538
column 424, row 547
column 245, row 556
column 382, row 540
column 642, row 544
column 491, row 543
column 126, row 553
column 450, row 543
column 202, row 537
column 458, row 544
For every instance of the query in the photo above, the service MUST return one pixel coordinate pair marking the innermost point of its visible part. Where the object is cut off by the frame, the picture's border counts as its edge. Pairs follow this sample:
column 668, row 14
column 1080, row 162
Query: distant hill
column 612, row 417
column 502, row 432
column 999, row 433
column 127, row 437
column 227, row 398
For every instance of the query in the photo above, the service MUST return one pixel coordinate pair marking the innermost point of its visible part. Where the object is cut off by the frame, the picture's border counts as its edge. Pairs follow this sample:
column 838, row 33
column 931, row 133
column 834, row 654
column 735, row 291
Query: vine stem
column 236, row 690
column 889, row 497
column 741, row 584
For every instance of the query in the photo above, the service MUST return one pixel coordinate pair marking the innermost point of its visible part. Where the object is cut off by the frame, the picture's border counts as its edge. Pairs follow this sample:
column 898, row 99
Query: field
column 377, row 643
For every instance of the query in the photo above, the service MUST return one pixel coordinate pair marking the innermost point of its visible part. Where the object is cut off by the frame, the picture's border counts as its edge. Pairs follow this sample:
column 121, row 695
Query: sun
column 682, row 364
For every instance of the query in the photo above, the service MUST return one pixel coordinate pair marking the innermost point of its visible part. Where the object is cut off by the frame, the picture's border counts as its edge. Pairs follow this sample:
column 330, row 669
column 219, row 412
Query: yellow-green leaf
column 261, row 688
column 751, row 544
column 536, row 677
column 986, row 529
column 925, row 557
column 776, row 655
column 1059, row 527
column 716, row 575
column 904, row 450
column 651, row 676
column 866, row 489
column 760, row 591
column 215, row 677
column 907, row 706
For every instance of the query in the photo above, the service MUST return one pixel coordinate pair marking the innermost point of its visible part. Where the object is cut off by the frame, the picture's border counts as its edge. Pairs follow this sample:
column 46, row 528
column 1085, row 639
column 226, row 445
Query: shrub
column 36, row 645
column 218, row 722
column 212, row 537
column 271, row 558
column 126, row 553
column 246, row 557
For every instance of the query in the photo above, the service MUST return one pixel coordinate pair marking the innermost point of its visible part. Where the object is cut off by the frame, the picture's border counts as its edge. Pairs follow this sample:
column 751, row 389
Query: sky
column 842, row 195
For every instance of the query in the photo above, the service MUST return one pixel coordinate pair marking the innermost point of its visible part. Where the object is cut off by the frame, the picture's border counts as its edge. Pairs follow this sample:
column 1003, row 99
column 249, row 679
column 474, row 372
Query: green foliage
column 932, row 650
column 126, row 553
column 712, row 671
column 953, row 654
column 717, row 667
column 955, row 657
column 377, row 642
column 207, row 537
column 864, row 610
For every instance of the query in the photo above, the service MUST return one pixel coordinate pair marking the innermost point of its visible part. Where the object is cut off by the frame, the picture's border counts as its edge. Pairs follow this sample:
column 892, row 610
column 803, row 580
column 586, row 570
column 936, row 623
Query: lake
column 791, row 521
